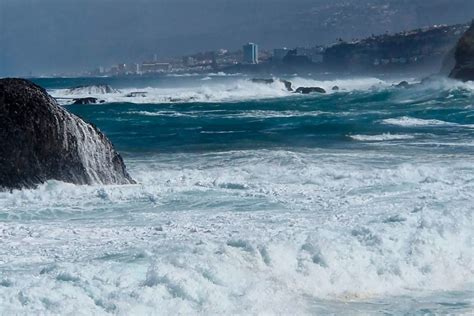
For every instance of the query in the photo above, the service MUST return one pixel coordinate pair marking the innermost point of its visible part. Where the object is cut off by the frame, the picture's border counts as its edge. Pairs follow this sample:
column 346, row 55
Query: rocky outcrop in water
column 136, row 94
column 308, row 90
column 89, row 100
column 92, row 89
column 403, row 84
column 464, row 55
column 41, row 141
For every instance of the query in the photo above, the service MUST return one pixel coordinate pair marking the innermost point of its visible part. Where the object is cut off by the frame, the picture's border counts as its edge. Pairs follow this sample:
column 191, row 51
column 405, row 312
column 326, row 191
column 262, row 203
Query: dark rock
column 335, row 88
column 308, row 90
column 92, row 89
column 288, row 84
column 403, row 84
column 85, row 101
column 464, row 55
column 41, row 141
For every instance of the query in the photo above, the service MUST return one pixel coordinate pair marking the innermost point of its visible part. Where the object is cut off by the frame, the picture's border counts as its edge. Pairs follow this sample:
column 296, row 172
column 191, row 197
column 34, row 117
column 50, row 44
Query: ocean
column 252, row 200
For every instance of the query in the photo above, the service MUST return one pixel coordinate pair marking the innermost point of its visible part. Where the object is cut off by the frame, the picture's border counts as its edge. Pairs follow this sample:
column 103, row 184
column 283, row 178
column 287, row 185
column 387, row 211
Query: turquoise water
column 253, row 200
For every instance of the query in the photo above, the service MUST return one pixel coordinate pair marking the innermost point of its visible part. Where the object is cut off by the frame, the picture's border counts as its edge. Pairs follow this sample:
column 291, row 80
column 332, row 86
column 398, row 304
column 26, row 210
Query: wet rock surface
column 309, row 90
column 42, row 141
column 464, row 55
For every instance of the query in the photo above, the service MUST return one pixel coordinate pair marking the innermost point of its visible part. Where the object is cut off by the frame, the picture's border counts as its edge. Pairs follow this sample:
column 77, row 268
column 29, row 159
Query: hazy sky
column 46, row 36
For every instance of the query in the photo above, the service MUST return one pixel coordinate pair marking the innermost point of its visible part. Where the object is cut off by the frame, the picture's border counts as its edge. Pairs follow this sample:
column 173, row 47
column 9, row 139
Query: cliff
column 464, row 56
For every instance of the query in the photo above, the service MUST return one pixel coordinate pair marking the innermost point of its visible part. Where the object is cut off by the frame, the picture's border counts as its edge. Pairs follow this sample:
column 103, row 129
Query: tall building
column 250, row 53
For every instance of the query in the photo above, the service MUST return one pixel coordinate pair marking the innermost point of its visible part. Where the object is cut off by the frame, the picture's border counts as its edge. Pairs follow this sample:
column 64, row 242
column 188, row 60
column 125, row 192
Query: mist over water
column 255, row 200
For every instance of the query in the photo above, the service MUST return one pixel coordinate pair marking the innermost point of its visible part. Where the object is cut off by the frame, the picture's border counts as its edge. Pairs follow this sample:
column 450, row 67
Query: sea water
column 253, row 200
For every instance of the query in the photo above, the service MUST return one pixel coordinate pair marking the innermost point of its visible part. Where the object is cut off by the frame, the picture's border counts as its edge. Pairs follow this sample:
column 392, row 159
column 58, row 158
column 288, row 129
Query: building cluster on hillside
column 250, row 54
column 425, row 47
column 405, row 48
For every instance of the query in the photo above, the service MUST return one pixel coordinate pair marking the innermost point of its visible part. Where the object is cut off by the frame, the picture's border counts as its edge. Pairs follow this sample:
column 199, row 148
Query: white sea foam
column 240, row 233
column 381, row 137
column 411, row 121
column 217, row 88
column 237, row 89
column 407, row 121
column 90, row 90
column 343, row 84
column 226, row 114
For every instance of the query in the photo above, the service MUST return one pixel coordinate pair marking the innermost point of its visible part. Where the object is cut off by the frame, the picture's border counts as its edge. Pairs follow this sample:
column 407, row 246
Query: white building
column 250, row 53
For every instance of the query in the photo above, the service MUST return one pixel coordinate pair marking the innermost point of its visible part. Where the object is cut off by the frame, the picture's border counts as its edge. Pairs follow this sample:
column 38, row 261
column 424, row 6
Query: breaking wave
column 233, row 90
column 214, row 88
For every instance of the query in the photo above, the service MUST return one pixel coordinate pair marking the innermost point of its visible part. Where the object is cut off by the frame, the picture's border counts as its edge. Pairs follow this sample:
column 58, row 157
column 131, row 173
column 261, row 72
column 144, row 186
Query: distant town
column 416, row 49
column 211, row 61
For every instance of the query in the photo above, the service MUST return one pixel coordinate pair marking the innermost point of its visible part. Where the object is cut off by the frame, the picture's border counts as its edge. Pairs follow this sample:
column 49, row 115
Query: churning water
column 253, row 200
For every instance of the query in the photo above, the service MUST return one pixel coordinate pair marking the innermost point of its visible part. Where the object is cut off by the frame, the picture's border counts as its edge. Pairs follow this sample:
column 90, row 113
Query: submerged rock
column 403, row 84
column 288, row 84
column 335, row 88
column 92, row 89
column 41, row 141
column 464, row 56
column 136, row 94
column 308, row 90
column 85, row 101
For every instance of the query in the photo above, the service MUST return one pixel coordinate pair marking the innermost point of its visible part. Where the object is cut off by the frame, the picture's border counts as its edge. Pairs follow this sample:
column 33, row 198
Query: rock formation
column 464, row 55
column 88, row 100
column 308, row 90
column 135, row 94
column 41, row 141
column 403, row 84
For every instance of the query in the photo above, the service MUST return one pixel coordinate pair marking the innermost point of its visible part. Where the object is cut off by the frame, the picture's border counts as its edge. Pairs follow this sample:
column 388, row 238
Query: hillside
column 422, row 49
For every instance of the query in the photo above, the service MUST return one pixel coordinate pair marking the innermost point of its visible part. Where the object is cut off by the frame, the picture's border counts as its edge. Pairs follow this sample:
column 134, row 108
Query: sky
column 50, row 36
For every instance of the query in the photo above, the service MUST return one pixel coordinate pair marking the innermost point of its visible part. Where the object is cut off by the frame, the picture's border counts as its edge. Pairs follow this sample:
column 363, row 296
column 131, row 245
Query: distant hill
column 412, row 51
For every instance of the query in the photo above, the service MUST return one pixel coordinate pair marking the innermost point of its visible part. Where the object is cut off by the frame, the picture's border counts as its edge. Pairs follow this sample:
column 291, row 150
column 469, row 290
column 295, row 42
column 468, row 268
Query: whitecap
column 407, row 121
column 381, row 137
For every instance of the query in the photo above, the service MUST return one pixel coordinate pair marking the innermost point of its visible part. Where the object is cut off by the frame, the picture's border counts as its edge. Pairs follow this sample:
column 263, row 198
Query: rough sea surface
column 252, row 200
